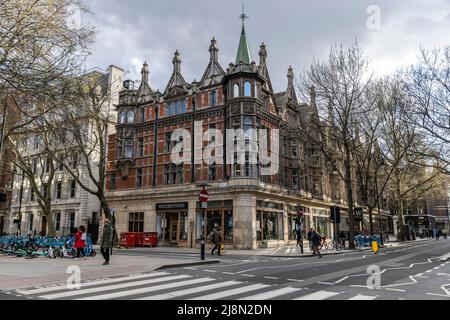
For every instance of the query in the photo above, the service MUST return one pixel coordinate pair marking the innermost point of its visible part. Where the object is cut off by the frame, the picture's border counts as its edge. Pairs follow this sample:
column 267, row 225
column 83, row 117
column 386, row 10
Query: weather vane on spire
column 243, row 16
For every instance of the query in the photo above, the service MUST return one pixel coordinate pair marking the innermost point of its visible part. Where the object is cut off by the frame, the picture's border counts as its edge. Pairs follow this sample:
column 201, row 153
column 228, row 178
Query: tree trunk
column 371, row 221
column 105, row 206
column 348, row 178
column 401, row 234
column 50, row 223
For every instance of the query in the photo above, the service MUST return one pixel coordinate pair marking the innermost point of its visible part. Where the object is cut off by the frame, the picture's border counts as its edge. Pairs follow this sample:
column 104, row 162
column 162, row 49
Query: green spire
column 243, row 53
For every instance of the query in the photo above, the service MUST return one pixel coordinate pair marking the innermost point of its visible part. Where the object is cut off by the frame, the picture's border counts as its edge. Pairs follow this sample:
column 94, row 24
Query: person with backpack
column 216, row 238
column 316, row 240
column 80, row 242
column 109, row 240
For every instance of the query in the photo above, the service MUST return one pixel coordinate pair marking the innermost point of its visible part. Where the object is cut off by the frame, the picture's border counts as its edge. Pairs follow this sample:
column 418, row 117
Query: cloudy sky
column 295, row 32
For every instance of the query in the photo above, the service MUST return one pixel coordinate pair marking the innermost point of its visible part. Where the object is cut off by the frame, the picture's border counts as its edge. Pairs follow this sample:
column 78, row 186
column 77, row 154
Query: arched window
column 122, row 116
column 247, row 89
column 236, row 90
column 130, row 117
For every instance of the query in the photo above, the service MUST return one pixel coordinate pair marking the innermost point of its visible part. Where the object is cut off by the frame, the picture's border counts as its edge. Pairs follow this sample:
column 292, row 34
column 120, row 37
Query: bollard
column 202, row 248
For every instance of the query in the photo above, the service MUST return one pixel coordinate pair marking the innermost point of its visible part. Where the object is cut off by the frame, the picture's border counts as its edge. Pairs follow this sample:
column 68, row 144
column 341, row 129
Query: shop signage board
column 172, row 206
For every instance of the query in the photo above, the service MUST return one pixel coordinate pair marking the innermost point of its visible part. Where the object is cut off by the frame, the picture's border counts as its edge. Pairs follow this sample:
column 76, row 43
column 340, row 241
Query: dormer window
column 247, row 89
column 236, row 90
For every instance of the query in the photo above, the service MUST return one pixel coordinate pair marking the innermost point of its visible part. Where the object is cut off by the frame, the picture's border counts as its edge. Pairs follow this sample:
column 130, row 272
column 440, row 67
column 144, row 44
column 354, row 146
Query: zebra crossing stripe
column 109, row 288
column 185, row 292
column 232, row 292
column 271, row 294
column 319, row 295
column 363, row 297
column 92, row 283
column 122, row 294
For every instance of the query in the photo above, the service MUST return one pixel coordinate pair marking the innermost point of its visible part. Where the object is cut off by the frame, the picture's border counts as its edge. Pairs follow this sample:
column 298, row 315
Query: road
column 409, row 272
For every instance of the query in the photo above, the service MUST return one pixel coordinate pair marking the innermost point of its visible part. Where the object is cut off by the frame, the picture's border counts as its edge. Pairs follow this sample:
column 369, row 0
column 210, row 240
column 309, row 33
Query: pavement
column 401, row 271
column 18, row 273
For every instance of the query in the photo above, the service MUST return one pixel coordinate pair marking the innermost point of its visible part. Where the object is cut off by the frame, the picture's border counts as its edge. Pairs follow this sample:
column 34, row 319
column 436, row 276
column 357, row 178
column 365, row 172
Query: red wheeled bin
column 148, row 239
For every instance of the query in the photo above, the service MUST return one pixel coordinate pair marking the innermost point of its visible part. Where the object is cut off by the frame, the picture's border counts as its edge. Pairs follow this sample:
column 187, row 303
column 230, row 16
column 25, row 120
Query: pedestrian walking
column 109, row 240
column 309, row 238
column 316, row 240
column 216, row 238
column 299, row 237
column 80, row 243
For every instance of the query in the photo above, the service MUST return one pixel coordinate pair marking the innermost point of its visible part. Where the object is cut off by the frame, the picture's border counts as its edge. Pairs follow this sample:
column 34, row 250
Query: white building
column 72, row 206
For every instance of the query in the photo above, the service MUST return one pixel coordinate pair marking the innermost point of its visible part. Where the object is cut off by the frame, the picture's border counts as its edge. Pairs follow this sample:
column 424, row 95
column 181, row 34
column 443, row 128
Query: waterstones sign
column 172, row 206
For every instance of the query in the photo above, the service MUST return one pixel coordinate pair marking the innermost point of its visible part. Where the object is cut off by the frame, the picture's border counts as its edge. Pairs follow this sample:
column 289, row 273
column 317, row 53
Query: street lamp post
column 203, row 237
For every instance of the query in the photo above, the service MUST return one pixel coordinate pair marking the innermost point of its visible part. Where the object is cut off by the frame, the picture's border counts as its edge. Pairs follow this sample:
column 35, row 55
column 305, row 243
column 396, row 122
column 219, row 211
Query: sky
column 295, row 32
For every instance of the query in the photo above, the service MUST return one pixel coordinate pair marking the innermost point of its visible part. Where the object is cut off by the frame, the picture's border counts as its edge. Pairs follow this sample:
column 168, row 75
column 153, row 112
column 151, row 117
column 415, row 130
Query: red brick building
column 150, row 193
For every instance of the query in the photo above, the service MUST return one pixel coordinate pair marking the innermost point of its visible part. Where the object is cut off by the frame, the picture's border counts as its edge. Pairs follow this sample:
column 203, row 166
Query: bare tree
column 86, row 121
column 428, row 84
column 405, row 148
column 340, row 83
column 32, row 147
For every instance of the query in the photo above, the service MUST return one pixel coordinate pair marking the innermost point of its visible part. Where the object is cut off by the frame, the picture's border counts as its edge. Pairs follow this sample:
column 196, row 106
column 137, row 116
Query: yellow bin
column 375, row 246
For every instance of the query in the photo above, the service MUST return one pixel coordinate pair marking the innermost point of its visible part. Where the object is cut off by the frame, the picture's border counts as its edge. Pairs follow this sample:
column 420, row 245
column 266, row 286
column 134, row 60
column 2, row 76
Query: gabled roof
column 214, row 73
column 177, row 85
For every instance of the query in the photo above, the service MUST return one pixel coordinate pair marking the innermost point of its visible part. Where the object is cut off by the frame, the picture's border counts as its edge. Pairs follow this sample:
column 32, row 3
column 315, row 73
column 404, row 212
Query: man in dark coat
column 217, row 239
column 316, row 240
column 108, row 240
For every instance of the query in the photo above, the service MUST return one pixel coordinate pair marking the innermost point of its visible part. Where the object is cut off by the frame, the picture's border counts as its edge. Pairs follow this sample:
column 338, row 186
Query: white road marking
column 247, row 275
column 363, row 297
column 274, row 278
column 439, row 295
column 271, row 294
column 113, row 287
column 298, row 280
column 185, row 292
column 228, row 273
column 319, row 295
column 211, row 271
column 172, row 285
column 232, row 292
column 327, row 283
column 92, row 283
column 392, row 289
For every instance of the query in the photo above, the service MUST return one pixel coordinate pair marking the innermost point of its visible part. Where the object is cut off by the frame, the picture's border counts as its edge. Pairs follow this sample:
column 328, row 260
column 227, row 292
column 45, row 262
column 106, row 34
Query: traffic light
column 335, row 212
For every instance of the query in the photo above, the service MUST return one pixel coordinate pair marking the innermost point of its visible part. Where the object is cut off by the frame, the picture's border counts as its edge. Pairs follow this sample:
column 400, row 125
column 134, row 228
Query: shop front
column 296, row 220
column 218, row 214
column 269, row 223
column 172, row 223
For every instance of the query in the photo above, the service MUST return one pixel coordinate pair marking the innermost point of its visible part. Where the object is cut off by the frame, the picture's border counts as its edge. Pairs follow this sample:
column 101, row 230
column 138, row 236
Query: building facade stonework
column 150, row 193
column 71, row 205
